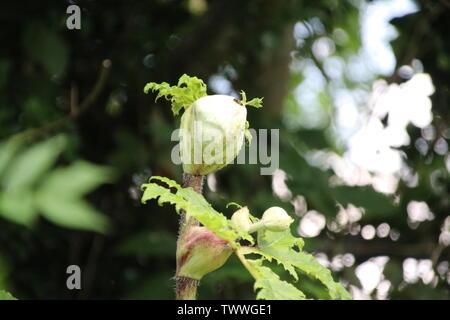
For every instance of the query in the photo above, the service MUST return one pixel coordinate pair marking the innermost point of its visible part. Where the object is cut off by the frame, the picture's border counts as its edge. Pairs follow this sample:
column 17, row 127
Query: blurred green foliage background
column 79, row 137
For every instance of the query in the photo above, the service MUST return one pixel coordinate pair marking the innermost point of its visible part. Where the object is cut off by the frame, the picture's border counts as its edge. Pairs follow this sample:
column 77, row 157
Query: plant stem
column 186, row 288
column 256, row 226
column 245, row 263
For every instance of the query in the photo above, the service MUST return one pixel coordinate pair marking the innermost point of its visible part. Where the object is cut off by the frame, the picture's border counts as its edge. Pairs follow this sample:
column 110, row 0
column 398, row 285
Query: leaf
column 31, row 164
column 282, row 246
column 60, row 196
column 74, row 214
column 273, row 245
column 255, row 102
column 188, row 90
column 7, row 152
column 6, row 295
column 18, row 206
column 308, row 264
column 78, row 179
column 270, row 286
column 195, row 206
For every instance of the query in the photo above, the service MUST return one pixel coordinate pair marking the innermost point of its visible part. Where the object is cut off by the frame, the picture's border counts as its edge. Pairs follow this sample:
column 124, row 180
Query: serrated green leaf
column 309, row 265
column 182, row 95
column 270, row 286
column 6, row 295
column 286, row 250
column 272, row 244
column 164, row 195
column 255, row 102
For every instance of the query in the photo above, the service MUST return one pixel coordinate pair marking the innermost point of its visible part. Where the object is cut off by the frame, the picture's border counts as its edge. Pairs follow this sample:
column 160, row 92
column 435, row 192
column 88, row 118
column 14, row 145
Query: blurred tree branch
column 76, row 111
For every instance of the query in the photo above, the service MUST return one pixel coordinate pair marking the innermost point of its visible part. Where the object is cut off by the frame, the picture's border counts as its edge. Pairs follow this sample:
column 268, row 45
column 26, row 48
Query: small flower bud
column 241, row 219
column 200, row 253
column 276, row 219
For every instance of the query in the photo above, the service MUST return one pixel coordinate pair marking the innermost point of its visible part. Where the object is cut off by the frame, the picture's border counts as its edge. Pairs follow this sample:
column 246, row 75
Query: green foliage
column 287, row 251
column 60, row 196
column 31, row 164
column 255, row 102
column 182, row 95
column 187, row 91
column 279, row 246
column 269, row 285
column 6, row 295
column 29, row 187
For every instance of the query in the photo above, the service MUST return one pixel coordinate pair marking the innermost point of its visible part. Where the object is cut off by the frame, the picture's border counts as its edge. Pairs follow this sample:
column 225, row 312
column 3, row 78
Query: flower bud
column 241, row 219
column 276, row 219
column 212, row 133
column 200, row 253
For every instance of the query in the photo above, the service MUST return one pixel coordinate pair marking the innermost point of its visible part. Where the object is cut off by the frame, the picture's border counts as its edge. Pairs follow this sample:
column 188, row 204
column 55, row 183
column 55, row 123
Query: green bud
column 200, row 253
column 212, row 133
column 241, row 219
column 276, row 219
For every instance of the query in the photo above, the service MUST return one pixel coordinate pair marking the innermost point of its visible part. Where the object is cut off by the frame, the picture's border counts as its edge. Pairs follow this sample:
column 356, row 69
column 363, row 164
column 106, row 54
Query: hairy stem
column 186, row 288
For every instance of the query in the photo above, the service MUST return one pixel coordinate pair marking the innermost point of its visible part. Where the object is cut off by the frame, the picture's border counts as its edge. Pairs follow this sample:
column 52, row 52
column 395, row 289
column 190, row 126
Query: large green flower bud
column 212, row 133
column 212, row 127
